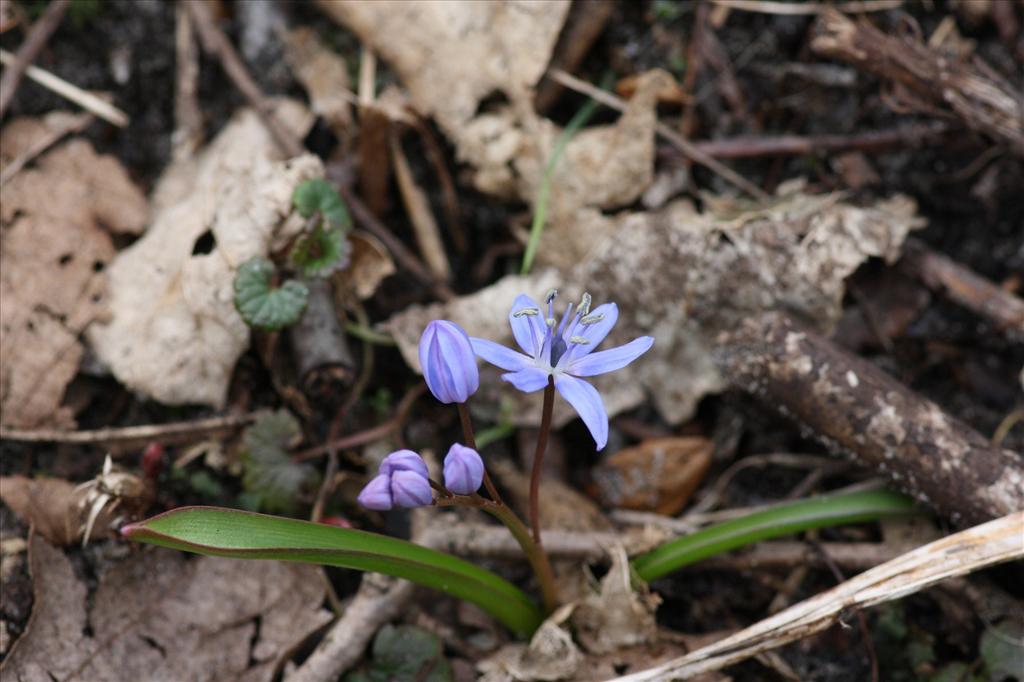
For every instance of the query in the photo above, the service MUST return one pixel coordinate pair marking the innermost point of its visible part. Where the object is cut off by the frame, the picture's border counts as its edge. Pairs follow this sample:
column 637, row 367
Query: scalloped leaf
column 271, row 477
column 320, row 252
column 319, row 195
column 244, row 535
column 262, row 305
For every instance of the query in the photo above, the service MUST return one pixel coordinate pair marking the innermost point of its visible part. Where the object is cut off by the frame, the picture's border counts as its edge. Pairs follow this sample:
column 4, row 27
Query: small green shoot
column 318, row 195
column 263, row 305
column 320, row 253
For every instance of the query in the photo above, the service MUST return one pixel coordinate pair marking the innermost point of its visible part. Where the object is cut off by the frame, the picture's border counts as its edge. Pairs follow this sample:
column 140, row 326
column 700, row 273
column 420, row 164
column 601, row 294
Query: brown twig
column 37, row 36
column 686, row 147
column 402, row 254
column 319, row 347
column 584, row 25
column 188, row 119
column 800, row 145
column 217, row 44
column 965, row 287
column 371, row 434
column 856, row 408
column 174, row 431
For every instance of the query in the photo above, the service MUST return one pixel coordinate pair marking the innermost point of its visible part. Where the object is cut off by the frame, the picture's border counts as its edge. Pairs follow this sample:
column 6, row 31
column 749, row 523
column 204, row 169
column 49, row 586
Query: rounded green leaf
column 227, row 532
column 320, row 252
column 262, row 305
column 319, row 195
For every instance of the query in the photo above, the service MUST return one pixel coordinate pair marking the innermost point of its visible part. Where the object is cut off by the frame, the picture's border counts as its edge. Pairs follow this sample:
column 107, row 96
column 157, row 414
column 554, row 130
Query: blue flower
column 402, row 481
column 463, row 470
column 564, row 352
column 449, row 367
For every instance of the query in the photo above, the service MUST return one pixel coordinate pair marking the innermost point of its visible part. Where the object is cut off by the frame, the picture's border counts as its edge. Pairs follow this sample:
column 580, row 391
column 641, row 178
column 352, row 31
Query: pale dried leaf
column 53, row 249
column 174, row 333
column 49, row 505
column 157, row 616
column 619, row 615
column 452, row 54
column 551, row 655
column 369, row 265
column 680, row 276
column 324, row 75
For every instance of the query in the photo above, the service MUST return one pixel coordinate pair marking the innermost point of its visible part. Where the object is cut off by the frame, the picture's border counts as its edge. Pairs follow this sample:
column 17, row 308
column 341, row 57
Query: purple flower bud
column 463, row 470
column 448, row 362
column 403, row 481
column 404, row 460
column 409, row 489
column 377, row 494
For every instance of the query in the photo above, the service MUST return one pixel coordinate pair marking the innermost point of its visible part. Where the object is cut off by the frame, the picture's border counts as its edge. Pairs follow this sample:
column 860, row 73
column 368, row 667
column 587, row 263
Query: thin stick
column 467, row 432
column 686, row 147
column 88, row 101
column 364, row 216
column 802, row 8
column 538, row 458
column 29, row 50
column 217, row 44
column 130, row 433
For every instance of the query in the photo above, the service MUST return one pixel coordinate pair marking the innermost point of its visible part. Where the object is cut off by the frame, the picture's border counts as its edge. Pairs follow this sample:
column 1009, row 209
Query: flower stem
column 538, row 458
column 534, row 553
column 467, row 432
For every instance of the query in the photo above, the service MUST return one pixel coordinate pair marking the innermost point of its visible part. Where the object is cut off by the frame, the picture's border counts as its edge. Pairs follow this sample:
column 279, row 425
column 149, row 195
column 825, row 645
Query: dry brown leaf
column 451, row 55
column 369, row 265
column 323, row 74
column 561, row 506
column 680, row 276
column 174, row 333
column 551, row 654
column 156, row 616
column 659, row 474
column 49, row 505
column 54, row 247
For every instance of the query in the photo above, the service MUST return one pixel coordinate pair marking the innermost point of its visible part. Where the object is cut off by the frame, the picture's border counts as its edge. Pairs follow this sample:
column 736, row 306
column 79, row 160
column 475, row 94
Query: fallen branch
column 991, row 543
column 973, row 91
column 856, row 408
column 319, row 347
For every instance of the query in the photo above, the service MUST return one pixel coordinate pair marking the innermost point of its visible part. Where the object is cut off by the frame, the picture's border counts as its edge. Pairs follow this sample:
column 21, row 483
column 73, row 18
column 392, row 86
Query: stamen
column 550, row 296
column 580, row 340
column 550, row 322
column 526, row 311
column 584, row 308
column 592, row 319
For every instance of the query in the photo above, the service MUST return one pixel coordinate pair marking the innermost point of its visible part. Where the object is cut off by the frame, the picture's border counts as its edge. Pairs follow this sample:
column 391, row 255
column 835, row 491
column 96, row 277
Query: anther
column 550, row 296
column 526, row 311
column 584, row 308
column 550, row 322
column 591, row 319
column 580, row 340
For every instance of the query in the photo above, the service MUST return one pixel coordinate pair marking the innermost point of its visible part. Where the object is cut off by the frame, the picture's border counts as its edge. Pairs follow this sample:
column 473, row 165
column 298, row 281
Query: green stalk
column 821, row 512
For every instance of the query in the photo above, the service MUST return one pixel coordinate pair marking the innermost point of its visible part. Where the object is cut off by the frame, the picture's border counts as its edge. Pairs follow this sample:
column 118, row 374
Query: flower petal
column 409, row 489
column 463, row 470
column 377, row 493
column 449, row 366
column 528, row 330
column 528, row 380
column 593, row 333
column 499, row 355
column 611, row 359
column 587, row 402
column 403, row 460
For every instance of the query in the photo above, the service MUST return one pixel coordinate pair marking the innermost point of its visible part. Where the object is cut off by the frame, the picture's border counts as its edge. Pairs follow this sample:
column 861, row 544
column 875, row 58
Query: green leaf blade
column 230, row 533
column 320, row 253
column 319, row 195
column 264, row 306
column 821, row 512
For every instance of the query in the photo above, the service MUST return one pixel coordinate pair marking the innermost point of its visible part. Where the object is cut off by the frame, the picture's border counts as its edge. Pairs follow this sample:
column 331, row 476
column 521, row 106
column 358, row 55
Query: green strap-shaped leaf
column 319, row 195
column 226, row 532
column 264, row 306
column 821, row 512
